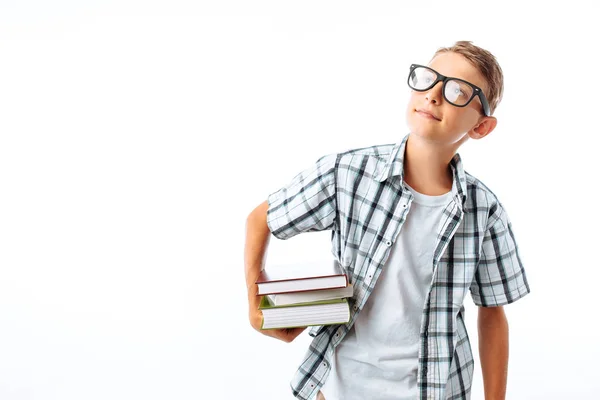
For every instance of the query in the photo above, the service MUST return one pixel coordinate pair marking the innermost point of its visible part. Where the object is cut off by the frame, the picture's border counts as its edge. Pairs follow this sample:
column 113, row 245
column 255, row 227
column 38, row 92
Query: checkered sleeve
column 500, row 277
column 307, row 203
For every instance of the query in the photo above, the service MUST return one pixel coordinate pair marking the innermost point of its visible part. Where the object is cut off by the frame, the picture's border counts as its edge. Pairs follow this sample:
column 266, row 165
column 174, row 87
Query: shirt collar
column 394, row 165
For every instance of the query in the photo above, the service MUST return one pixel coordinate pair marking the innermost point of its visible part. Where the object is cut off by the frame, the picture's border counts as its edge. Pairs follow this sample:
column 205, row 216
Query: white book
column 282, row 299
column 301, row 277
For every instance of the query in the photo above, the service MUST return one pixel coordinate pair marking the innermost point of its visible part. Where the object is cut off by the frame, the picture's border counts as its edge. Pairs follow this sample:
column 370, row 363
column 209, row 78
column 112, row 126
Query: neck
column 427, row 166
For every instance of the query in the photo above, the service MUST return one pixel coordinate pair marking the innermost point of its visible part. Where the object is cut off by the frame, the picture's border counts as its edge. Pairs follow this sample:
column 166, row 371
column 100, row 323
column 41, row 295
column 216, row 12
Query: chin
column 421, row 129
column 420, row 132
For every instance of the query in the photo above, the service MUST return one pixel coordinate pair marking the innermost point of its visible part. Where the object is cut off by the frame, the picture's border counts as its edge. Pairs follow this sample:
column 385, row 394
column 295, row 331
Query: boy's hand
column 285, row 334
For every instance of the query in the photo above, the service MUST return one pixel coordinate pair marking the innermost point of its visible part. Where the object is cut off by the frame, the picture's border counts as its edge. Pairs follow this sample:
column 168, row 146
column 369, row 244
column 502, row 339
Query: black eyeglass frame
column 439, row 77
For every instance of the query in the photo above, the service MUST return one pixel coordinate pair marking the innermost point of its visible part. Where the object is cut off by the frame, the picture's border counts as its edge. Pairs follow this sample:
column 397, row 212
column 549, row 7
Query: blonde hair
column 487, row 65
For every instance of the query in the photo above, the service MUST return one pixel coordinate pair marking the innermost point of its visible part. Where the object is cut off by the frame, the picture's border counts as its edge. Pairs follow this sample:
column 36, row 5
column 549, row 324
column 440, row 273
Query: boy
column 414, row 232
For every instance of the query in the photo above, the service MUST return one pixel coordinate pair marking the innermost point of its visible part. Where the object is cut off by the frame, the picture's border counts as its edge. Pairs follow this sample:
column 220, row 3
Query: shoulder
column 365, row 159
column 483, row 199
column 374, row 151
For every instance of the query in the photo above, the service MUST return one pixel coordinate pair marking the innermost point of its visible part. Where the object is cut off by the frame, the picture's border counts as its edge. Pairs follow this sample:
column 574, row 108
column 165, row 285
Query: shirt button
column 388, row 242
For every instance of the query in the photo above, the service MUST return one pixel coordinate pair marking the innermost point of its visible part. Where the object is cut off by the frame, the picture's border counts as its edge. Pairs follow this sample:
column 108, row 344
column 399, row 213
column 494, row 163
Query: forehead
column 456, row 66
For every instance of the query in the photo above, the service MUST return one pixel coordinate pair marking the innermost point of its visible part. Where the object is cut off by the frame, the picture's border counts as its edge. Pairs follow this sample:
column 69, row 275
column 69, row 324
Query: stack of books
column 304, row 294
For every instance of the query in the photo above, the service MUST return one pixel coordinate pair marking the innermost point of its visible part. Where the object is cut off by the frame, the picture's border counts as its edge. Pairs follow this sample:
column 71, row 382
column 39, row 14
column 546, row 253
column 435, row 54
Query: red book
column 301, row 277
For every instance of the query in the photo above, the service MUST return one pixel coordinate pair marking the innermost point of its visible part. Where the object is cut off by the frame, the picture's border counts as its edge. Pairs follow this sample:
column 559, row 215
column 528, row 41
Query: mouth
column 427, row 115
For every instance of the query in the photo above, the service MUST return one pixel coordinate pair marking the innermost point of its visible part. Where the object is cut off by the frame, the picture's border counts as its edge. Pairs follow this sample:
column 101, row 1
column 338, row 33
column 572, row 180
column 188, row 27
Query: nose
column 434, row 94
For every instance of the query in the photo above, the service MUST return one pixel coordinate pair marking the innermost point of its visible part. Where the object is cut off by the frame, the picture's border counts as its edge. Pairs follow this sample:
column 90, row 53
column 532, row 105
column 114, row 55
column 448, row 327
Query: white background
column 136, row 137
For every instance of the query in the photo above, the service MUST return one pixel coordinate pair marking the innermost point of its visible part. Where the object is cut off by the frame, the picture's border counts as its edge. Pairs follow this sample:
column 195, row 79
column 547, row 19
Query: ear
column 483, row 128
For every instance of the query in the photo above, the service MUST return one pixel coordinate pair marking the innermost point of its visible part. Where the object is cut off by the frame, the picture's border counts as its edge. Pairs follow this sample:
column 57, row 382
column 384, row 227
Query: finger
column 282, row 334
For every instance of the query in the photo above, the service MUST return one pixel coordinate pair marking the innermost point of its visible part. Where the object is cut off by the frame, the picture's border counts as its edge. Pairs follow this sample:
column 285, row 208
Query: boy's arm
column 306, row 204
column 493, row 351
column 499, row 279
column 257, row 242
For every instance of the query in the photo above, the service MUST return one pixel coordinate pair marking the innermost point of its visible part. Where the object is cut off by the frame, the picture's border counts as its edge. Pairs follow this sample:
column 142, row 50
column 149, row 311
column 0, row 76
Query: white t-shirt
column 378, row 358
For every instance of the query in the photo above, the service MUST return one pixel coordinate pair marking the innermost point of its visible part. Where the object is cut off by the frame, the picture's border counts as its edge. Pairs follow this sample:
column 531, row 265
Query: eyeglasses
column 457, row 92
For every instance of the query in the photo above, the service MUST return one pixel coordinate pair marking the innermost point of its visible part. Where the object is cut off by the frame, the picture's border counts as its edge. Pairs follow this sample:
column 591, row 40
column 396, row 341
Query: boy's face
column 453, row 121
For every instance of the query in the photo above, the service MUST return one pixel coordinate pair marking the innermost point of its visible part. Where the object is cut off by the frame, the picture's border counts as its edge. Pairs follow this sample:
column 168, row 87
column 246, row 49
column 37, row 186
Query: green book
column 266, row 303
column 324, row 312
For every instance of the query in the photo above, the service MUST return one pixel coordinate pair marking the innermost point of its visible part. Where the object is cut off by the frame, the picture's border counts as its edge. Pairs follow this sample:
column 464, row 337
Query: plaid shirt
column 360, row 196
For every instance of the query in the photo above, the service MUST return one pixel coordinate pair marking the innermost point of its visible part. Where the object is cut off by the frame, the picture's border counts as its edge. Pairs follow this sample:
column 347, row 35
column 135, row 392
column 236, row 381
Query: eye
column 459, row 92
